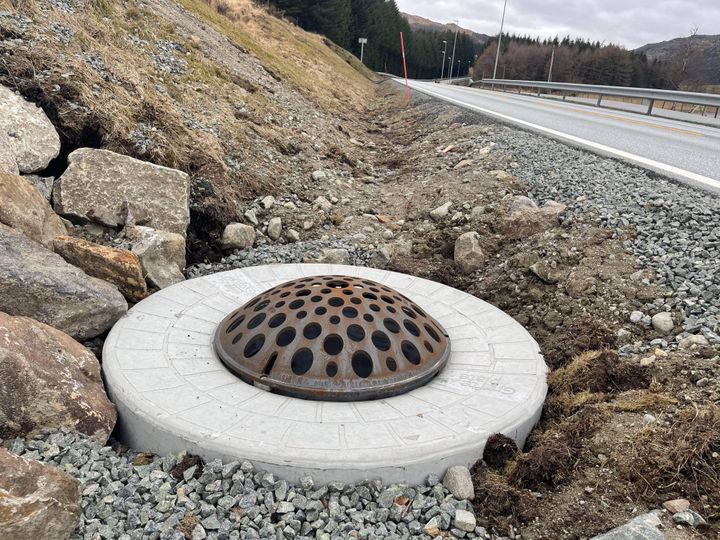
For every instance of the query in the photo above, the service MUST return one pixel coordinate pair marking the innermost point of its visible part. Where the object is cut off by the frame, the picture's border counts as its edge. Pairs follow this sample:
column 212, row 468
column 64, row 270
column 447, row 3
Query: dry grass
column 597, row 371
column 583, row 334
column 303, row 58
column 591, row 377
column 216, row 118
column 641, row 400
column 551, row 460
column 680, row 459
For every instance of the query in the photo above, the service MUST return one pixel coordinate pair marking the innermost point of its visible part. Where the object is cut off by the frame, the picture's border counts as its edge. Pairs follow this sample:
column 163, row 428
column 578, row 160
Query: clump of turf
column 499, row 449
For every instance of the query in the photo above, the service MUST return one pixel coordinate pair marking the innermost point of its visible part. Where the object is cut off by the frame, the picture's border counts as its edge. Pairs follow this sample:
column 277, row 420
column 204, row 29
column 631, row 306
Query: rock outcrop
column 162, row 254
column 37, row 283
column 49, row 381
column 120, row 267
column 36, row 500
column 114, row 190
column 24, row 208
column 31, row 135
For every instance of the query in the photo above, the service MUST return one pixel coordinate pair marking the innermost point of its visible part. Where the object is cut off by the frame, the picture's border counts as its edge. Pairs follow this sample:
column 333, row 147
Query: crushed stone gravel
column 133, row 496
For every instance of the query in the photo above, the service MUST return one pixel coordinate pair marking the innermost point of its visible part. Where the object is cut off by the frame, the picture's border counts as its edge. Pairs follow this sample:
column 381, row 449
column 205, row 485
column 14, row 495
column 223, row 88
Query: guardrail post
column 599, row 101
column 717, row 109
column 564, row 96
column 538, row 94
column 650, row 106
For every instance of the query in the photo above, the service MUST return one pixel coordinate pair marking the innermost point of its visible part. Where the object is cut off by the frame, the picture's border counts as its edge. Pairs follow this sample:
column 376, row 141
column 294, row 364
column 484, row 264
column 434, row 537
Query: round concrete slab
column 173, row 393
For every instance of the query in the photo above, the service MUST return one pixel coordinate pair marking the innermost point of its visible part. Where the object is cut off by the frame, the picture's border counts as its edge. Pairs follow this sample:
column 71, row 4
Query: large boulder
column 8, row 163
column 49, row 381
column 31, row 134
column 115, row 190
column 523, row 218
column 37, row 501
column 117, row 266
column 24, row 208
column 37, row 283
column 162, row 254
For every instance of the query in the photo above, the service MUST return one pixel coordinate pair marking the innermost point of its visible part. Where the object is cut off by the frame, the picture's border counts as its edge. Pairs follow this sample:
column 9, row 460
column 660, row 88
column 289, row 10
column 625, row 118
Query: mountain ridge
column 417, row 22
column 702, row 51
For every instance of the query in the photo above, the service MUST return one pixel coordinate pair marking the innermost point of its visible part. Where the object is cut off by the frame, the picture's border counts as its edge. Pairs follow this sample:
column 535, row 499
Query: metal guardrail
column 650, row 94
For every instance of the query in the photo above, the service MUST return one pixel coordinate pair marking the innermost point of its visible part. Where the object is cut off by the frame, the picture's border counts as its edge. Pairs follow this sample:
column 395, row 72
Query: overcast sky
column 626, row 22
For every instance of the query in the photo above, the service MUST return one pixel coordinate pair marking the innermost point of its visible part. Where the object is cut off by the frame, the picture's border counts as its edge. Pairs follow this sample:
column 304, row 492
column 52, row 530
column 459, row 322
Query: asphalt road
column 685, row 151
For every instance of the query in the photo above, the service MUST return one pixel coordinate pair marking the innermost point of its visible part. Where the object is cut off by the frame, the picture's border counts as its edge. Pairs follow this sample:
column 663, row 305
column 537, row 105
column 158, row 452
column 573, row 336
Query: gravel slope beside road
column 687, row 151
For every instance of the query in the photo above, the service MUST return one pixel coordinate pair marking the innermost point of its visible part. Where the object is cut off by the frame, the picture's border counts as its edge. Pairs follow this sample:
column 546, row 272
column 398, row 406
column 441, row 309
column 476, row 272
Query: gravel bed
column 289, row 253
column 131, row 496
column 678, row 227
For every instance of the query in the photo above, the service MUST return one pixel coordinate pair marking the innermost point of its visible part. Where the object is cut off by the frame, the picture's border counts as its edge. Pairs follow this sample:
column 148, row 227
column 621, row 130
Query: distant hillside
column 703, row 56
column 421, row 23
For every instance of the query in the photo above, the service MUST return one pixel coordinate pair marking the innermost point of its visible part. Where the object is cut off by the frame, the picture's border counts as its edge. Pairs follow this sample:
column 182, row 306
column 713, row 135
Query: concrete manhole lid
column 174, row 393
column 333, row 338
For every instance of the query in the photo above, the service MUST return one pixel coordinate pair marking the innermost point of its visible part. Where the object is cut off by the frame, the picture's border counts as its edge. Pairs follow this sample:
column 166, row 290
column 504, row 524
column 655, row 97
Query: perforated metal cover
column 334, row 338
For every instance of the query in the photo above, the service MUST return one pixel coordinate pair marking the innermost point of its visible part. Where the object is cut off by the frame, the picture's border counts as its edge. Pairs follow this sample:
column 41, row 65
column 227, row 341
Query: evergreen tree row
column 522, row 57
column 380, row 21
column 576, row 61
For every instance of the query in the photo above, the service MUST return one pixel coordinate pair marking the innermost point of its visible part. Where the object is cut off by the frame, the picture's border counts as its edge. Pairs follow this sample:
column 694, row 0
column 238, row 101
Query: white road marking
column 688, row 177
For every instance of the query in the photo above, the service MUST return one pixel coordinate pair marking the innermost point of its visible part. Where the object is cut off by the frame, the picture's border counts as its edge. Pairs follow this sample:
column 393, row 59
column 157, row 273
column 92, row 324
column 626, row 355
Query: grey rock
column 441, row 212
column 643, row 527
column 274, row 229
column 690, row 341
column 663, row 322
column 22, row 207
column 8, row 163
column 292, row 235
column 333, row 256
column 99, row 185
column 690, row 518
column 524, row 219
column 30, row 133
column 251, row 216
column 465, row 521
column 319, row 175
column 161, row 253
column 469, row 256
column 37, row 283
column 238, row 236
column 44, row 184
column 268, row 202
column 636, row 317
column 458, row 481
column 321, row 203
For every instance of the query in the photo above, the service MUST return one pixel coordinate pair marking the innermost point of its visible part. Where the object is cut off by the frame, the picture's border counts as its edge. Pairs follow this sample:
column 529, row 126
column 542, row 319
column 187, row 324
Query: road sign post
column 407, row 84
column 362, row 41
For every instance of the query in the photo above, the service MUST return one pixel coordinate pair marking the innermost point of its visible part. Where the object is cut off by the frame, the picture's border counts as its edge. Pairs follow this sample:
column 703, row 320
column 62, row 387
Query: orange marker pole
column 407, row 85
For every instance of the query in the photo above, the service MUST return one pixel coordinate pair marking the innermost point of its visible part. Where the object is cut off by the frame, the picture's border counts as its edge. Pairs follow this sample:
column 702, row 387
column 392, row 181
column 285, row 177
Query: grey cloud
column 626, row 22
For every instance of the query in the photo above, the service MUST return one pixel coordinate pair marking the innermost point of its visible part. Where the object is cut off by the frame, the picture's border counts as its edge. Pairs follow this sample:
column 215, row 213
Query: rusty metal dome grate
column 333, row 338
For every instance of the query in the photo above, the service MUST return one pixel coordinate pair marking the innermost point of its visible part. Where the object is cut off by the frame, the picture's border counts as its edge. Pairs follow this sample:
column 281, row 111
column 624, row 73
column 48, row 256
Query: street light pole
column 497, row 54
column 452, row 62
column 442, row 71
